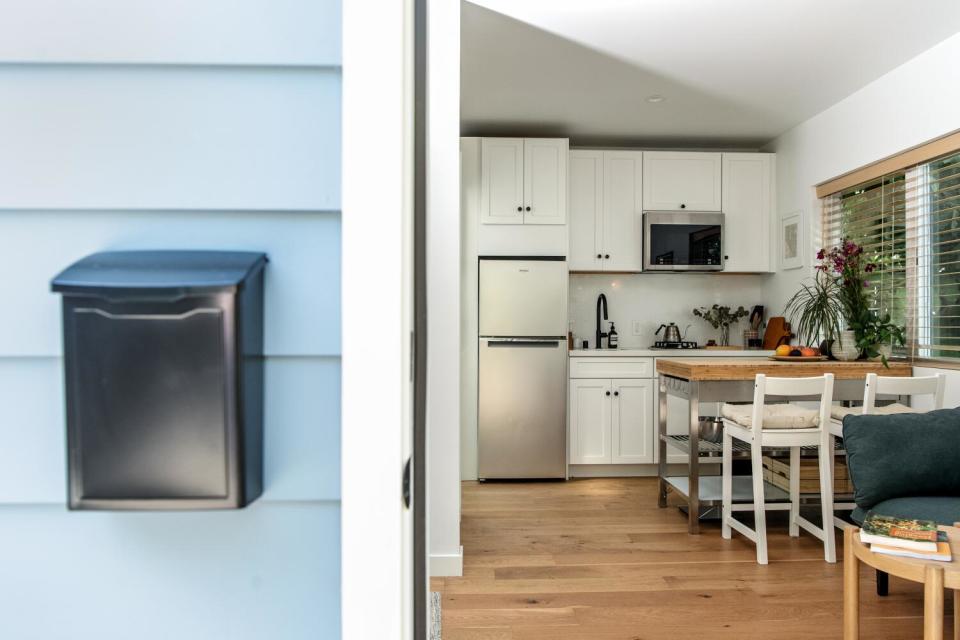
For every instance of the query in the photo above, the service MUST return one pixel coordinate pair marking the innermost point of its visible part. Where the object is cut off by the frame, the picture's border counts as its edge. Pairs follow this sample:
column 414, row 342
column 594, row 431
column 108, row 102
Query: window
column 908, row 222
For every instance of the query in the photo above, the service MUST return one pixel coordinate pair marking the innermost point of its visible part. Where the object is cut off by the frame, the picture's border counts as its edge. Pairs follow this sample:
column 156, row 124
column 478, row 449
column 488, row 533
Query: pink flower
column 820, row 254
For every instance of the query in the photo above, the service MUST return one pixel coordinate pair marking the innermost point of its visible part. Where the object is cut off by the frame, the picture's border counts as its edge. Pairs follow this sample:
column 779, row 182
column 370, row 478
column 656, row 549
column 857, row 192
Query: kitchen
column 584, row 240
column 625, row 269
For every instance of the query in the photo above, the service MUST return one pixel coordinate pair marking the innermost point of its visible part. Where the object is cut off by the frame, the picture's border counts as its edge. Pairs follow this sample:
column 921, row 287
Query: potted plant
column 816, row 313
column 721, row 318
column 848, row 267
column 877, row 336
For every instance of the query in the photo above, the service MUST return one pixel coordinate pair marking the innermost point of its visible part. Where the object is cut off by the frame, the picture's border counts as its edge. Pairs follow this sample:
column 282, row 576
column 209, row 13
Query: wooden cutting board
column 777, row 333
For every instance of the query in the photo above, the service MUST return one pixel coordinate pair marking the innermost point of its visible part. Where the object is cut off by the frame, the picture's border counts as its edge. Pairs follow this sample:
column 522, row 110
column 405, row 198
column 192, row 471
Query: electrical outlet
column 637, row 330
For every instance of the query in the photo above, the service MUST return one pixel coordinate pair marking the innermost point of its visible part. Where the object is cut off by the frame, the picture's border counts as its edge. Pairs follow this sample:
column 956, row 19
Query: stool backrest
column 792, row 387
column 908, row 386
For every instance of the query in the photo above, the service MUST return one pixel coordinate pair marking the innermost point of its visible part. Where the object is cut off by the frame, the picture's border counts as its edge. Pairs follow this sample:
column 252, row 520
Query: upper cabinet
column 606, row 210
column 523, row 181
column 747, row 206
column 681, row 181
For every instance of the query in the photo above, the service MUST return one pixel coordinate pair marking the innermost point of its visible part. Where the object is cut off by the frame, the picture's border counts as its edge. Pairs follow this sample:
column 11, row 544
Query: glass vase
column 725, row 336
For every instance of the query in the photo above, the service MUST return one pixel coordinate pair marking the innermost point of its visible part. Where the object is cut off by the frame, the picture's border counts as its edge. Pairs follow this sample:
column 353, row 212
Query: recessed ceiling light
column 655, row 98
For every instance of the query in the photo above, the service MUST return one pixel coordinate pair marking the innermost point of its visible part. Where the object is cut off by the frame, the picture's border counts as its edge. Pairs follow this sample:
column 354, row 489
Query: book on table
column 902, row 533
column 942, row 553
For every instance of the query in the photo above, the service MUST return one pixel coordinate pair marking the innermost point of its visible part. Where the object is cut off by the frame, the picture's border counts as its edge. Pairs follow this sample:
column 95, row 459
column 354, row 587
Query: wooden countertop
column 747, row 369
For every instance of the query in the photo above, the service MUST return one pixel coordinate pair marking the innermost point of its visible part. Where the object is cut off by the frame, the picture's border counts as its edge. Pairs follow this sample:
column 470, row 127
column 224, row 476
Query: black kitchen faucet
column 601, row 304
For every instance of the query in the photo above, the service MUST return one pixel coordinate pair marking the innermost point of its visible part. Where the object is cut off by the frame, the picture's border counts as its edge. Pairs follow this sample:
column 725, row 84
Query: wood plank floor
column 597, row 560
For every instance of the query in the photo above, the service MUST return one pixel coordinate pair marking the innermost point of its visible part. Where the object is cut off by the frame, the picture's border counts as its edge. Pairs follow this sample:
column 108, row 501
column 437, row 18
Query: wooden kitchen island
column 698, row 380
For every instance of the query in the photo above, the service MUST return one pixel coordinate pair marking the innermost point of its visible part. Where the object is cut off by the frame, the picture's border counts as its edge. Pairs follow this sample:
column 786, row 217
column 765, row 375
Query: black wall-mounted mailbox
column 163, row 356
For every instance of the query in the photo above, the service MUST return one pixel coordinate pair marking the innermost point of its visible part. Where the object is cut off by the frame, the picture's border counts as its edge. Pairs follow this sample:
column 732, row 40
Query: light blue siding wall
column 129, row 125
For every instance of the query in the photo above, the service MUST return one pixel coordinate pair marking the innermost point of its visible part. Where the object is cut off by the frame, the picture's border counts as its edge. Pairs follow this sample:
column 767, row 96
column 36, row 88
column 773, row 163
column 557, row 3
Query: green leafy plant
column 816, row 310
column 721, row 317
column 873, row 331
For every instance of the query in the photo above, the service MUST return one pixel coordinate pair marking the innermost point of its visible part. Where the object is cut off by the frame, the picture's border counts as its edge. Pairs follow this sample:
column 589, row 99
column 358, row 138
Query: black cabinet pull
column 519, row 208
column 608, row 393
column 528, row 208
column 616, row 393
column 606, row 257
column 683, row 206
column 726, row 257
column 599, row 256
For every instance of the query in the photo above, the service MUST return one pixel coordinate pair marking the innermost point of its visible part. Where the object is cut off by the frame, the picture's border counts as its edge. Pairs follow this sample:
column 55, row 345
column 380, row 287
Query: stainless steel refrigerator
column 522, row 413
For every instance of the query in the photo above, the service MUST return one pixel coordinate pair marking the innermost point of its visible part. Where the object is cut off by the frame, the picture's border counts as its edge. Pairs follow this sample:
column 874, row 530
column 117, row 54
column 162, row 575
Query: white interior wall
column 910, row 105
column 443, row 289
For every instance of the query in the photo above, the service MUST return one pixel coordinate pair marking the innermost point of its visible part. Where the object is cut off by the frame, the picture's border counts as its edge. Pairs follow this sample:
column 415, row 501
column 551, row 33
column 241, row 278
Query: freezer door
column 523, row 298
column 522, row 417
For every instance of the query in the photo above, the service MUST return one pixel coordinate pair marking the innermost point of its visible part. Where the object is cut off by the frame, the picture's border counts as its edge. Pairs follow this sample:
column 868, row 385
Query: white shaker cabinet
column 681, row 181
column 590, row 421
column 606, row 210
column 611, row 419
column 631, row 422
column 586, row 211
column 747, row 207
column 523, row 181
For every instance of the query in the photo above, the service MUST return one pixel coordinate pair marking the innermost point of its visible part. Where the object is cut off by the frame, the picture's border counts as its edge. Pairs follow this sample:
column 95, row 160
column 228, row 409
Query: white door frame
column 377, row 271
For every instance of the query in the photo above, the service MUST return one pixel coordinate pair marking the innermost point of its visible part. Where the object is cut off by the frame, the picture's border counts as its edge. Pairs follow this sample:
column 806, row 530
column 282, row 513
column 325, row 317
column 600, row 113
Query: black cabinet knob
column 726, row 257
column 519, row 208
column 616, row 393
column 683, row 206
column 608, row 393
column 599, row 256
column 606, row 257
column 528, row 208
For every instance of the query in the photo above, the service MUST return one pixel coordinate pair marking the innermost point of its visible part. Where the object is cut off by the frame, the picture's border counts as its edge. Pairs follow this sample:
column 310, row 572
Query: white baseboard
column 446, row 564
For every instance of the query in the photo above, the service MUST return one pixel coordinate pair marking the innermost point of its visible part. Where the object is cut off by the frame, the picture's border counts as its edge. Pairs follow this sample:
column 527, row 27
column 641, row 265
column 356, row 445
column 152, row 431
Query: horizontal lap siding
column 180, row 125
column 301, row 312
column 82, row 137
column 268, row 571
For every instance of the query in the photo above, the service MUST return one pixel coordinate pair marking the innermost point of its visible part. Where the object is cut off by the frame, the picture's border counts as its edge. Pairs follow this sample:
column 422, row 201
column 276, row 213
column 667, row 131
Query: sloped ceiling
column 733, row 72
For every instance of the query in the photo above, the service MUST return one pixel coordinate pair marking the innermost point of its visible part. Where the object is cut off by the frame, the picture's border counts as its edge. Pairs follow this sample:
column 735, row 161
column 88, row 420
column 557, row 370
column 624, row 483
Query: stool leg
column 851, row 588
column 794, row 491
column 727, row 482
column 883, row 583
column 759, row 501
column 956, row 614
column 933, row 603
column 826, row 499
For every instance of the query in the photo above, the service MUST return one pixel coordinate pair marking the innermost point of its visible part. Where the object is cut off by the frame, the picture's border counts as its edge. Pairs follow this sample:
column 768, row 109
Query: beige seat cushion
column 838, row 413
column 775, row 416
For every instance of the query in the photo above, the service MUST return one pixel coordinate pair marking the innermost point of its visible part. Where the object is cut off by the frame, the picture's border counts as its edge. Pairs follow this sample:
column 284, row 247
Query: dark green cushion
column 942, row 510
column 903, row 455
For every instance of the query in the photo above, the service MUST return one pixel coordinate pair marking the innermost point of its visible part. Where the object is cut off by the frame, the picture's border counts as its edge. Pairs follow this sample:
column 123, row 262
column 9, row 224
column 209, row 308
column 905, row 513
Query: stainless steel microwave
column 682, row 241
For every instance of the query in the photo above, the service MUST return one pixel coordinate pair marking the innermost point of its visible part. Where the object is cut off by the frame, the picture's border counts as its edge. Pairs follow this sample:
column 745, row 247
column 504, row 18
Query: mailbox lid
column 170, row 273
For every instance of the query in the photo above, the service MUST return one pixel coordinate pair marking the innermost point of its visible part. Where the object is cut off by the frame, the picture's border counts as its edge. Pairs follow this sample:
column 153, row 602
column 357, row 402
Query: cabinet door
column 586, row 204
column 631, row 431
column 681, row 181
column 545, row 181
column 501, row 181
column 747, row 206
column 623, row 211
column 590, row 402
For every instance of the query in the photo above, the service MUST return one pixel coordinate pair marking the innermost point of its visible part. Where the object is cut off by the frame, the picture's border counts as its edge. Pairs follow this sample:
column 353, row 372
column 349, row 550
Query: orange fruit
column 784, row 350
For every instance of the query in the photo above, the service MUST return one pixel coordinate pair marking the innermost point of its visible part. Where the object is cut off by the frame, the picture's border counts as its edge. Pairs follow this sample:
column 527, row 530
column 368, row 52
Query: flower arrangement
column 847, row 264
column 841, row 292
column 721, row 318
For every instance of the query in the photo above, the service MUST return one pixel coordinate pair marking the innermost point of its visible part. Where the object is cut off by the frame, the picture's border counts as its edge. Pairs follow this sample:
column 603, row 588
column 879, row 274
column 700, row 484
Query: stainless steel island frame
column 732, row 380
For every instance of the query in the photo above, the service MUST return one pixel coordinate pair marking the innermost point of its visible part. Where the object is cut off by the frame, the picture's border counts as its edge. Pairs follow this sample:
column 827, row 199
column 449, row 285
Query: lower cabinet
column 611, row 421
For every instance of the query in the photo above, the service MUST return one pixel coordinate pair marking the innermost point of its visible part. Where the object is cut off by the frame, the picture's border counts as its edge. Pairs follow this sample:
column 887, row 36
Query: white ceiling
column 736, row 72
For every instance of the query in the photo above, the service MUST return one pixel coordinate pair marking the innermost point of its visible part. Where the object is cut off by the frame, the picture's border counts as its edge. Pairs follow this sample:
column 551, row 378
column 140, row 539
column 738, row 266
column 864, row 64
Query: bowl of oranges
column 792, row 353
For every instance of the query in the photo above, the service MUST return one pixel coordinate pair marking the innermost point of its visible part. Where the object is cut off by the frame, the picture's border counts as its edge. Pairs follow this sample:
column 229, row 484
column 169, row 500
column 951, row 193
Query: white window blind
column 909, row 225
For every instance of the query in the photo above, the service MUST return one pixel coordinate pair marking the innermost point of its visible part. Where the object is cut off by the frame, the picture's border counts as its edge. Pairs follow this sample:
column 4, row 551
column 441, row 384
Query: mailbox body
column 163, row 364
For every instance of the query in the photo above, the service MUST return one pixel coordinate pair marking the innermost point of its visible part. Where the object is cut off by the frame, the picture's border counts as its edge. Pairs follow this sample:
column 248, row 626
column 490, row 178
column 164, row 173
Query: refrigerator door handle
column 549, row 344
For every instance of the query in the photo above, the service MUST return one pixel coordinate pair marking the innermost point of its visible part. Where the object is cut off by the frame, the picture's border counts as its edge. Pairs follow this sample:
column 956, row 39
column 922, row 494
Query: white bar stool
column 911, row 387
column 761, row 426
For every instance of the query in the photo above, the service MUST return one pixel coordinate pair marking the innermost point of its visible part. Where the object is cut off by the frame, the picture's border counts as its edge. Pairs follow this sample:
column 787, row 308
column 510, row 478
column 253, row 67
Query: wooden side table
column 935, row 577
